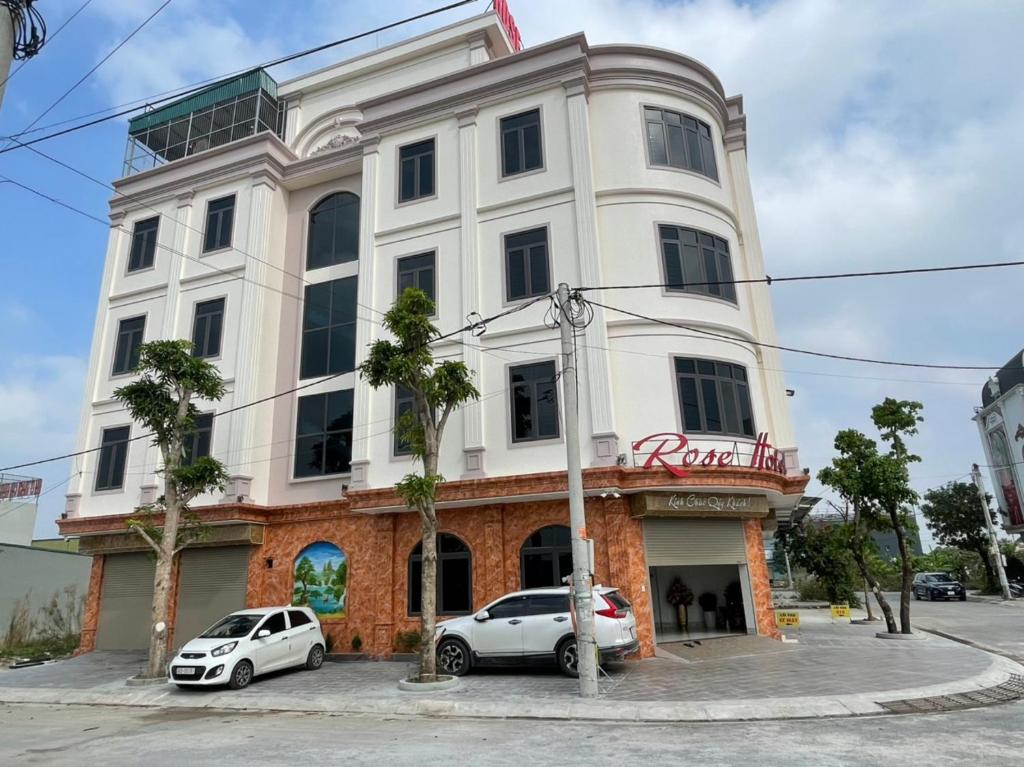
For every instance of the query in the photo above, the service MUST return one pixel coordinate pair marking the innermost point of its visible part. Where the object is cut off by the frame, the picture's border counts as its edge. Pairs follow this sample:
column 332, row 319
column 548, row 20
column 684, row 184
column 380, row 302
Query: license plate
column 185, row 671
column 951, row 591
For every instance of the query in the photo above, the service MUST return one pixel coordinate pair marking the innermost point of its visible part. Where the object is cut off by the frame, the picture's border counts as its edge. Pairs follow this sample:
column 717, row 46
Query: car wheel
column 453, row 657
column 916, row 595
column 315, row 659
column 568, row 658
column 963, row 597
column 241, row 675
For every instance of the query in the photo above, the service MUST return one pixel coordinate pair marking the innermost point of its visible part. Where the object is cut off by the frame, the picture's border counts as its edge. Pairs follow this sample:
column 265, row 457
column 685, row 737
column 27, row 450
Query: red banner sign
column 28, row 488
column 673, row 452
column 508, row 21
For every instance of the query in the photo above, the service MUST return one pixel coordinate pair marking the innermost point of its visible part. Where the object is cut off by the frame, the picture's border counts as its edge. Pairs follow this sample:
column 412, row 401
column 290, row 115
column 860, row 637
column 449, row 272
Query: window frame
column 701, row 294
column 220, row 223
column 131, row 245
column 502, row 175
column 220, row 339
column 114, row 372
column 303, row 330
column 677, row 393
column 296, row 436
column 398, row 275
column 193, row 437
column 506, row 299
column 96, row 489
column 441, row 557
column 652, row 165
column 399, row 199
column 308, row 231
column 554, row 550
column 514, row 442
column 396, row 453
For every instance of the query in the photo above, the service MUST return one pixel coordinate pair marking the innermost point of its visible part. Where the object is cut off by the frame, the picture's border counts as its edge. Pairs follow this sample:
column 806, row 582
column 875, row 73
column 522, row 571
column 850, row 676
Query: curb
column 970, row 643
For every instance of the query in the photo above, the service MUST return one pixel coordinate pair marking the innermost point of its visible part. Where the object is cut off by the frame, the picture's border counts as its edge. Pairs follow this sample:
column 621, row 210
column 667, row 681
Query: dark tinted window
column 714, row 398
column 546, row 557
column 220, row 219
column 197, row 442
column 403, row 404
column 298, row 618
column 232, row 627
column 696, row 262
column 274, row 624
column 454, row 577
column 680, row 141
column 417, row 272
column 113, row 454
column 207, row 327
column 521, row 143
column 143, row 244
column 129, row 338
column 546, row 604
column 329, row 328
column 526, row 264
column 333, row 231
column 617, row 599
column 323, row 440
column 514, row 607
column 534, row 401
column 416, row 170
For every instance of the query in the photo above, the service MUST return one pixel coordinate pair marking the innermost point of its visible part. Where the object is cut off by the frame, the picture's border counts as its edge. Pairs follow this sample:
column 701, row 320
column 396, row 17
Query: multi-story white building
column 1000, row 421
column 273, row 224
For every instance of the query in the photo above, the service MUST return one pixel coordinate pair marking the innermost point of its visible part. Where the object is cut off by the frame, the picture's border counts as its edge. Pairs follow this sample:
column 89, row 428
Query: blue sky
column 880, row 135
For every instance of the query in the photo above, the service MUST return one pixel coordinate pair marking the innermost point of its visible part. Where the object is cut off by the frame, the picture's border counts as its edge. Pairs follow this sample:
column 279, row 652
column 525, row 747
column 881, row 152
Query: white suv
column 534, row 626
column 248, row 643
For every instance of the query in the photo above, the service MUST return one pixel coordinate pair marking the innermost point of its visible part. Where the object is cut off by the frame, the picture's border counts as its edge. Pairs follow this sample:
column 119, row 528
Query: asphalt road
column 65, row 735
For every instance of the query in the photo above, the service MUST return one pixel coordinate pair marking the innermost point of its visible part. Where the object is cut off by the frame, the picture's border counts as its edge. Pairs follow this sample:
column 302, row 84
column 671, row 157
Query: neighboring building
column 1000, row 422
column 272, row 224
column 19, row 501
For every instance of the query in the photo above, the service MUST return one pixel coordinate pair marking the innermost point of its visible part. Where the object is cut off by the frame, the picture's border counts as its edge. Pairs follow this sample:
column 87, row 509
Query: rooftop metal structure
column 226, row 111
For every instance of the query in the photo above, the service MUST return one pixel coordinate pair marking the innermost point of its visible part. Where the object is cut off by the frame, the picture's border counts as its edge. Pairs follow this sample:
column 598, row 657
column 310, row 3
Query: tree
column 957, row 519
column 305, row 574
column 340, row 580
column 161, row 400
column 822, row 550
column 437, row 390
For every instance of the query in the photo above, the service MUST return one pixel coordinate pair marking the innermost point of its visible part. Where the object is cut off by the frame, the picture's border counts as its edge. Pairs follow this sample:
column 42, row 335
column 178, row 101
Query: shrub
column 357, row 643
column 679, row 594
column 407, row 641
column 708, row 601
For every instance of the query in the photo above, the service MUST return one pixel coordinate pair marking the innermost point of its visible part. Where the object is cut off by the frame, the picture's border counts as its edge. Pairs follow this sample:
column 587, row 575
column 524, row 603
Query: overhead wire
column 48, row 39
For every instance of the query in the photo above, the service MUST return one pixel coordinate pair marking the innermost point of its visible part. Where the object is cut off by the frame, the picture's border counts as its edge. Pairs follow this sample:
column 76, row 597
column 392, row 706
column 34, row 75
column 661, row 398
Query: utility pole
column 6, row 46
column 582, row 585
column 993, row 541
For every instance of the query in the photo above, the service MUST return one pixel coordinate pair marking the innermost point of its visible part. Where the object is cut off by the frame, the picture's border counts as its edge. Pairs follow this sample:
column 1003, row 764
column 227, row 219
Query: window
column 298, row 618
column 329, row 328
column 129, row 338
column 416, row 171
column 323, row 436
column 113, row 455
column 520, row 143
column 547, row 604
column 534, row 402
column 274, row 624
column 197, row 442
column 714, row 397
column 403, row 404
column 143, row 244
column 220, row 219
column 696, row 262
column 546, row 557
column 206, row 328
column 417, row 272
column 513, row 607
column 333, row 231
column 454, row 577
column 526, row 264
column 680, row 141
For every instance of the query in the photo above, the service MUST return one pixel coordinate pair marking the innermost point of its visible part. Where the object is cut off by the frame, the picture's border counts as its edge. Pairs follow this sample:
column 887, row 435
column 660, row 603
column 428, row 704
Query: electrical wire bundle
column 29, row 27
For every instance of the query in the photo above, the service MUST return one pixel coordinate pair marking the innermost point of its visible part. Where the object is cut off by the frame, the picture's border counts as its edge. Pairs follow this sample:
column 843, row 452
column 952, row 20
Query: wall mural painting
column 321, row 579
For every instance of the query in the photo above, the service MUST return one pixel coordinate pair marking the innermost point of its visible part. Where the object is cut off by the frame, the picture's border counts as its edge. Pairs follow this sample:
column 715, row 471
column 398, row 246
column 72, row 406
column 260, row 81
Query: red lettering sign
column 656, row 449
column 509, row 22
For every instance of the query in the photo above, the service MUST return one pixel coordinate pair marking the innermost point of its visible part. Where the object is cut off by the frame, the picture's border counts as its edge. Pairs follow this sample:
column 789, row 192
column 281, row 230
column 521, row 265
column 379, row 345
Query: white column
column 366, row 321
column 478, row 49
column 469, row 262
column 605, row 441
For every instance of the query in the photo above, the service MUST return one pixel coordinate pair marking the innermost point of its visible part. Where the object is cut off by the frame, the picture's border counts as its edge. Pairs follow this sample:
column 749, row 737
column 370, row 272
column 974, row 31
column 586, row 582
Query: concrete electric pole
column 6, row 47
column 22, row 34
column 582, row 577
column 993, row 541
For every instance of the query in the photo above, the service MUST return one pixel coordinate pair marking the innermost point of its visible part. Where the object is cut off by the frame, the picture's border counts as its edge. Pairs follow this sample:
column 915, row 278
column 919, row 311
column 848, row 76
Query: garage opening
column 212, row 583
column 126, row 602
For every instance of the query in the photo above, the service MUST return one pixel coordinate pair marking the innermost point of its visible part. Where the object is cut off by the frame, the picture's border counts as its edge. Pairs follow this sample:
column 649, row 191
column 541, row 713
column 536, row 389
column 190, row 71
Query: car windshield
column 938, row 578
column 232, row 627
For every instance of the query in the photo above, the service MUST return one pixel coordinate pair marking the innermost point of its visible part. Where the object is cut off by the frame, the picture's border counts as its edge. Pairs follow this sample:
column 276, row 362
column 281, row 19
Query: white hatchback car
column 534, row 626
column 248, row 643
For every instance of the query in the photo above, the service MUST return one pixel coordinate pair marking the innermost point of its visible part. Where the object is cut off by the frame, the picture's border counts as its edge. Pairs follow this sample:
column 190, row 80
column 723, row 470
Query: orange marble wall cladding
column 760, row 583
column 91, row 611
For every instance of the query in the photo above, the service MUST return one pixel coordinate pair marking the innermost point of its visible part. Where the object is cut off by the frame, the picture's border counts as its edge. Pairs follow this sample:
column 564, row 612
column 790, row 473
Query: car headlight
column 224, row 649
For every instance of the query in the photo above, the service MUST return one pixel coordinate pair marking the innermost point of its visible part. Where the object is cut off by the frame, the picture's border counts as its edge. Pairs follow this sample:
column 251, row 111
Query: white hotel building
column 273, row 224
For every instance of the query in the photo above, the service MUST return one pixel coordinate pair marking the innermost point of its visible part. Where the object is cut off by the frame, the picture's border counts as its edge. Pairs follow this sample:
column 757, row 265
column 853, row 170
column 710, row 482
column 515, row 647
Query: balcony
column 227, row 111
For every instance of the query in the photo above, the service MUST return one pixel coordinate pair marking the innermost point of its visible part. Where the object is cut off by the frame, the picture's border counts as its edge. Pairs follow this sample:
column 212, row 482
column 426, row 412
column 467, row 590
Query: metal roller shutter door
column 694, row 542
column 126, row 602
column 212, row 584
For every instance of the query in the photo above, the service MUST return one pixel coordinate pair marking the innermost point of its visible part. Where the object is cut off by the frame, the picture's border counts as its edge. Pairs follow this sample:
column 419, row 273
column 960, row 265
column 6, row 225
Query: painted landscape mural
column 321, row 579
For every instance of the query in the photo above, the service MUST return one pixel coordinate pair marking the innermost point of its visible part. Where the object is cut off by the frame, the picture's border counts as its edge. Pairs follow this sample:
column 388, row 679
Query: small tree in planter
column 709, row 604
column 680, row 597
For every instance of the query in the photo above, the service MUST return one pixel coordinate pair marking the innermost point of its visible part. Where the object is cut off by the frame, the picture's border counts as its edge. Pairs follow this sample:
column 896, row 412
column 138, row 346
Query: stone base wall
column 760, row 581
column 91, row 610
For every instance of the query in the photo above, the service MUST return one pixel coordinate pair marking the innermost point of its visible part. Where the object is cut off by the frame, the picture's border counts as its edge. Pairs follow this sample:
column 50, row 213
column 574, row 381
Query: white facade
column 1000, row 424
column 597, row 193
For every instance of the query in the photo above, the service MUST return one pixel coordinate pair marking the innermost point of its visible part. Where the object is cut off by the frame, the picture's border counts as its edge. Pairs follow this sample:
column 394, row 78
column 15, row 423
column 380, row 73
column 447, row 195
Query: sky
column 880, row 135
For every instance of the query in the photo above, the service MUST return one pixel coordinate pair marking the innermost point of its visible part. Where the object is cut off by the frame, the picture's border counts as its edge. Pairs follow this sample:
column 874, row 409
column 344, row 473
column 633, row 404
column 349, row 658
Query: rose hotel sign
column 676, row 454
column 508, row 21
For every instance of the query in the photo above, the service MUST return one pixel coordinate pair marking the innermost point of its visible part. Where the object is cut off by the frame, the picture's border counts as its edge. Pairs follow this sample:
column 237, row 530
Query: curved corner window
column 333, row 231
column 696, row 262
column 676, row 140
column 714, row 398
column 454, row 577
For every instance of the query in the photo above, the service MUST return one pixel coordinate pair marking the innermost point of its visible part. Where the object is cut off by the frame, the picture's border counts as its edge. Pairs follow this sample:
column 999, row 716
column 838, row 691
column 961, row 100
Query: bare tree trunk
column 867, row 601
column 907, row 568
column 869, row 578
column 428, row 589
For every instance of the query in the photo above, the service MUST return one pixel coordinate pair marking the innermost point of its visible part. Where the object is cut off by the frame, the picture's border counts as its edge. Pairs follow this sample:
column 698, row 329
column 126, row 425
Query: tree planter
column 681, row 609
column 710, row 622
column 443, row 683
column 899, row 637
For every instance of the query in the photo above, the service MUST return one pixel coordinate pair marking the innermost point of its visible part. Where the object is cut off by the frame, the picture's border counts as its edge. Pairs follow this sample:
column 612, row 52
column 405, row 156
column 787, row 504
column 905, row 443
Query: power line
column 217, row 81
column 795, row 350
column 49, row 39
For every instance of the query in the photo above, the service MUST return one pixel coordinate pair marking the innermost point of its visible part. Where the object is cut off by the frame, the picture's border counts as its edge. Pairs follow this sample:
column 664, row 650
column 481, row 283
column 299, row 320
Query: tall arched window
column 333, row 231
column 454, row 577
column 546, row 557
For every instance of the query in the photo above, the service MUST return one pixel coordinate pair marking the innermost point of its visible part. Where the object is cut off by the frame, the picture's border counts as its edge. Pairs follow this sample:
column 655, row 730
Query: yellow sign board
column 840, row 611
column 784, row 618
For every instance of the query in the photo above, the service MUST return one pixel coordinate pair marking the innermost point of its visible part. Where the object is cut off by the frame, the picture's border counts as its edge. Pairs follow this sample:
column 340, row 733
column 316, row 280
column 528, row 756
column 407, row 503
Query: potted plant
column 734, row 607
column 680, row 597
column 709, row 604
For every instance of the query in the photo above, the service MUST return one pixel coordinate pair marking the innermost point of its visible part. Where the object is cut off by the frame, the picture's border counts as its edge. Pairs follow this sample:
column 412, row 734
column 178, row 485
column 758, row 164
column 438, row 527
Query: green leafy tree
column 339, row 580
column 437, row 390
column 162, row 400
column 823, row 551
column 957, row 519
column 305, row 574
